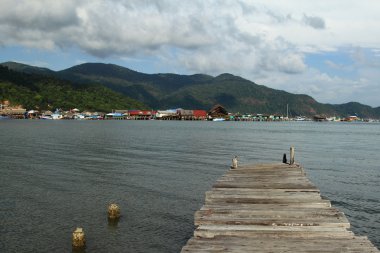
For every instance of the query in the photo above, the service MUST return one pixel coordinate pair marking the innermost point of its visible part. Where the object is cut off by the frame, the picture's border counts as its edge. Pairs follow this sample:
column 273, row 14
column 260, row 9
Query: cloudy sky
column 329, row 49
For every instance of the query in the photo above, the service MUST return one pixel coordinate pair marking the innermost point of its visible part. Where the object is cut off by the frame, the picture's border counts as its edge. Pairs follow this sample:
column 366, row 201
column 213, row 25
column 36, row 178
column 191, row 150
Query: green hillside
column 147, row 88
column 161, row 91
column 34, row 91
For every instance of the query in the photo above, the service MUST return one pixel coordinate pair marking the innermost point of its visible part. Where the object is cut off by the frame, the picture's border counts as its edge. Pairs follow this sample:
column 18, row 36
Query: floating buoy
column 113, row 211
column 79, row 240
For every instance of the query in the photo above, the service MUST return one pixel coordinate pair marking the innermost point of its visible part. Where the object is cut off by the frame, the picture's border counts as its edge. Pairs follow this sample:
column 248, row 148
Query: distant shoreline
column 3, row 119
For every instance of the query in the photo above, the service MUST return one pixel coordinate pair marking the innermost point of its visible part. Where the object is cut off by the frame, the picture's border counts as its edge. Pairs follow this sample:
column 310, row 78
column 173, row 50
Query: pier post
column 234, row 163
column 284, row 160
column 113, row 211
column 291, row 156
column 78, row 240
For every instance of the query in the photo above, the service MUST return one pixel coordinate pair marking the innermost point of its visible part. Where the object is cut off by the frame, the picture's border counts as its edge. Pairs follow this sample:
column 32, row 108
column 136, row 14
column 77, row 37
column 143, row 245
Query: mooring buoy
column 113, row 211
column 79, row 240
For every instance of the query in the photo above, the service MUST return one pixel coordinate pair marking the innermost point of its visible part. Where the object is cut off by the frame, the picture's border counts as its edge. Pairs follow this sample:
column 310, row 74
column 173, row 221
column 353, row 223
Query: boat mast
column 287, row 111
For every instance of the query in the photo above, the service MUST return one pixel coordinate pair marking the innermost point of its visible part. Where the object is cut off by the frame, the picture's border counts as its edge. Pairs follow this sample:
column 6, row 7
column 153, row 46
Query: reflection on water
column 57, row 175
column 113, row 223
column 74, row 250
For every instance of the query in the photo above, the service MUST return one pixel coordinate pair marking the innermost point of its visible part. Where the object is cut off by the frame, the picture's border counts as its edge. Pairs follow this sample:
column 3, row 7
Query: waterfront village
column 217, row 113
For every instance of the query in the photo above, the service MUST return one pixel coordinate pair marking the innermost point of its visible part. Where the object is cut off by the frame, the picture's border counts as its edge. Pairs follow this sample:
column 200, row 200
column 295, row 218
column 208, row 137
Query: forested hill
column 36, row 91
column 161, row 91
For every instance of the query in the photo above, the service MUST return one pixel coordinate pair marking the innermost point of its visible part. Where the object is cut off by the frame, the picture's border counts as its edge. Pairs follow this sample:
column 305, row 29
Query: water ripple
column 57, row 175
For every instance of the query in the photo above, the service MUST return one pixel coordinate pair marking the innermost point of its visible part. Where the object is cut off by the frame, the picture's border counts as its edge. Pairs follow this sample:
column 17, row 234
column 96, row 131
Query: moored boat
column 300, row 118
column 4, row 117
column 218, row 119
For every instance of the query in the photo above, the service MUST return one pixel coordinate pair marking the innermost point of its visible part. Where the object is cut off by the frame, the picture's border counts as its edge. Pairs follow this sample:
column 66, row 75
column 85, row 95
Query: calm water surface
column 57, row 175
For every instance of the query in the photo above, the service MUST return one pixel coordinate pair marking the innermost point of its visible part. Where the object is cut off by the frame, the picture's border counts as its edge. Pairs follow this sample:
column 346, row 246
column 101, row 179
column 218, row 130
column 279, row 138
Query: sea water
column 59, row 175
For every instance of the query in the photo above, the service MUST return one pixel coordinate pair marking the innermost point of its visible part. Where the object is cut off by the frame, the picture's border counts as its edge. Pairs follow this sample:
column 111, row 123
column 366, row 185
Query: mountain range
column 199, row 91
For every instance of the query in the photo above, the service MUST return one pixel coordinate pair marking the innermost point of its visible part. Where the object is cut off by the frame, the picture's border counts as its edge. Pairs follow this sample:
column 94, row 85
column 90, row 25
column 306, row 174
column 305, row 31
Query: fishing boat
column 300, row 118
column 48, row 117
column 4, row 117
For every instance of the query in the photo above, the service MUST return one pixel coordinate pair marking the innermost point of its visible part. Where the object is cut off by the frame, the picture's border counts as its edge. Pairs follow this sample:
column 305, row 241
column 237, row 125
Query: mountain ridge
column 200, row 91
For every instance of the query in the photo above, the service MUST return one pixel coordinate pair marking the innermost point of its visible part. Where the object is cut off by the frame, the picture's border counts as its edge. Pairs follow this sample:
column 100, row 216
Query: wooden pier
column 271, row 208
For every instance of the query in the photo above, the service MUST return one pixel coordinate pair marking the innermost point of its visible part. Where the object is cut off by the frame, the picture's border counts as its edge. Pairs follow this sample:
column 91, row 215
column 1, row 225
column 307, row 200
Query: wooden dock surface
column 271, row 208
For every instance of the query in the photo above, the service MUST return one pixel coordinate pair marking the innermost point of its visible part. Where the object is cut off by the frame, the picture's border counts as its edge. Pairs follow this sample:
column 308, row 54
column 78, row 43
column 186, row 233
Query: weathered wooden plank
column 255, row 213
column 241, row 249
column 337, row 245
column 283, row 212
column 287, row 206
column 267, row 206
column 261, row 195
column 273, row 228
column 268, row 185
column 278, row 218
column 317, row 247
column 321, row 222
column 267, row 180
column 279, row 248
column 200, row 232
column 263, row 190
column 263, row 200
column 354, row 240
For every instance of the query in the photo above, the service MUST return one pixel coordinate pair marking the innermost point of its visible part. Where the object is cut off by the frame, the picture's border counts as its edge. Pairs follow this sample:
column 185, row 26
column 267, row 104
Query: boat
column 56, row 116
column 218, row 119
column 300, row 118
column 320, row 118
column 48, row 117
column 4, row 117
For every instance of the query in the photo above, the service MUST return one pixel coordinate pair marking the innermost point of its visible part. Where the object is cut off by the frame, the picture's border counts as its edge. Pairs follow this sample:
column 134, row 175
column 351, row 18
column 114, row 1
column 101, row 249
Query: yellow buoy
column 79, row 240
column 113, row 211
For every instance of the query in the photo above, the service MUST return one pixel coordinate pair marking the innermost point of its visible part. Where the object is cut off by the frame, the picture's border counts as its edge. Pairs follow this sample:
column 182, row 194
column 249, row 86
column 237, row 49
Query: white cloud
column 254, row 39
column 105, row 28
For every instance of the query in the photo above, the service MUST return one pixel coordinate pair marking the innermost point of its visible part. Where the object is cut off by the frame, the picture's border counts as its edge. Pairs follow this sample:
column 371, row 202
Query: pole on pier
column 79, row 241
column 291, row 156
column 113, row 211
column 284, row 160
column 234, row 162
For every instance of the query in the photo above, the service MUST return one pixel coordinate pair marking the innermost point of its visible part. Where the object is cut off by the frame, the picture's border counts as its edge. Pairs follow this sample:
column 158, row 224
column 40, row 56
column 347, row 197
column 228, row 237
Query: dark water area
column 59, row 175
